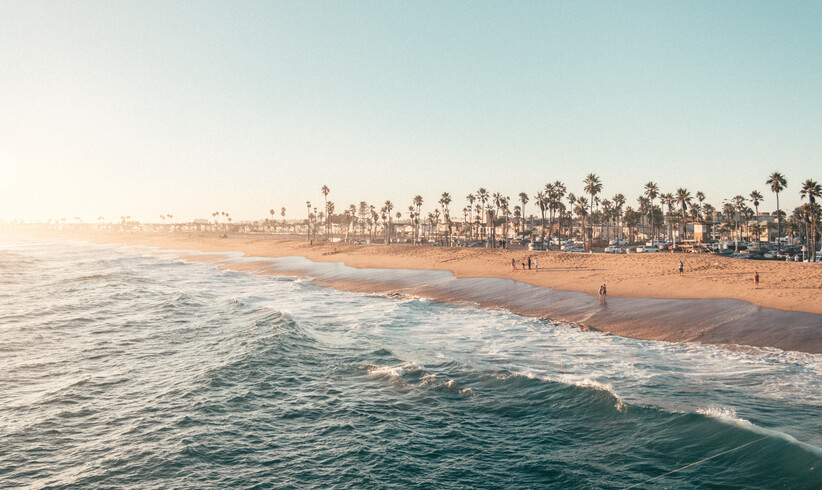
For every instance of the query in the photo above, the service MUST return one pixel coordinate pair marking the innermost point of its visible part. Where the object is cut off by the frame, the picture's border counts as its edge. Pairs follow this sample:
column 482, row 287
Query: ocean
column 127, row 367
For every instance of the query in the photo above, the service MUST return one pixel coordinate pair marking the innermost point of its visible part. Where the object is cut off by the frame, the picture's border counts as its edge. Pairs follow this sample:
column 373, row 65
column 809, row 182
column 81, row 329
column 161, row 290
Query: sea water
column 127, row 367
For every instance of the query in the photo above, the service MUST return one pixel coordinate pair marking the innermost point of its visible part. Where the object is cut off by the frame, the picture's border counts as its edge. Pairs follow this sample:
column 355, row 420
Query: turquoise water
column 124, row 367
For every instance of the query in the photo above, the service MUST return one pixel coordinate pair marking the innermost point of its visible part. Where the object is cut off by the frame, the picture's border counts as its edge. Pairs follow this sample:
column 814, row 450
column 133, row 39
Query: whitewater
column 123, row 366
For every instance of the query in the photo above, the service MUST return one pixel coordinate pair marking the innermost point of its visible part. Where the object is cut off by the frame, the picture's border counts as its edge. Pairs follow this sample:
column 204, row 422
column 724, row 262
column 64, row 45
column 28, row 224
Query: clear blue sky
column 187, row 107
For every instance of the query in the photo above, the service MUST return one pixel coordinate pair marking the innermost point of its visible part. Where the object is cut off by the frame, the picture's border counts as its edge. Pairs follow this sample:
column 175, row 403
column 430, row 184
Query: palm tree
column 812, row 190
column 778, row 184
column 388, row 206
column 756, row 197
column 651, row 192
column 523, row 198
column 418, row 203
column 555, row 192
column 541, row 200
column 470, row 198
column 572, row 201
column 325, row 190
column 592, row 187
column 444, row 201
column 668, row 200
column 683, row 198
column 582, row 211
column 308, row 207
column 482, row 196
column 739, row 205
column 619, row 201
column 607, row 215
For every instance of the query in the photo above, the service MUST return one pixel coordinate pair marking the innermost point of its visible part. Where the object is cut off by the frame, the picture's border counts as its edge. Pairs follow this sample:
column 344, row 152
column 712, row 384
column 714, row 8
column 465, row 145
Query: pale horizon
column 186, row 108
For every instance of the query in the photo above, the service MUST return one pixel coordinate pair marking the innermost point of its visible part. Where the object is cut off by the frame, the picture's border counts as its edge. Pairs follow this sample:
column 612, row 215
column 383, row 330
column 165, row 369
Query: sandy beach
column 791, row 287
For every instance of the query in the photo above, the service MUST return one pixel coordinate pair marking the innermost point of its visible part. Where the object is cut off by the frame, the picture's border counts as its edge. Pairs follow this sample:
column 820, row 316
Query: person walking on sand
column 756, row 280
column 681, row 265
column 536, row 263
column 513, row 264
column 529, row 262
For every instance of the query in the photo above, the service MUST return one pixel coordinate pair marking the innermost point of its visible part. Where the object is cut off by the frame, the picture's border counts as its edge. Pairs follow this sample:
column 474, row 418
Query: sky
column 142, row 108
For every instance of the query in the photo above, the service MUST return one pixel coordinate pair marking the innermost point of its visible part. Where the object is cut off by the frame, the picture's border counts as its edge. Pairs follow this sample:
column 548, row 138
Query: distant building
column 702, row 232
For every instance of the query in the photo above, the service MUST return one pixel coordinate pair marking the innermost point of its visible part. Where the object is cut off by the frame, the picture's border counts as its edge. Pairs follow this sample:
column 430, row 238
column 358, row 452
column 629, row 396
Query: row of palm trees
column 597, row 217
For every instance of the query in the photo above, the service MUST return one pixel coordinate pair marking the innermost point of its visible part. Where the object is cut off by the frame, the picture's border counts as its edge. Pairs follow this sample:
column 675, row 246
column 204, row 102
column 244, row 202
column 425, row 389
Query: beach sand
column 792, row 287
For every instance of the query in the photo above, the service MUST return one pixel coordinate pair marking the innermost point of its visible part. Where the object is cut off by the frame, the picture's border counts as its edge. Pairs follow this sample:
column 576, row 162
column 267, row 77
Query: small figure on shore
column 529, row 262
column 756, row 280
column 523, row 266
column 603, row 291
column 681, row 266
column 536, row 263
column 513, row 264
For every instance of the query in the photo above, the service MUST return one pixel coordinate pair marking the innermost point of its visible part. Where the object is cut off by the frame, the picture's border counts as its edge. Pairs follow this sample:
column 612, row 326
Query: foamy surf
column 361, row 390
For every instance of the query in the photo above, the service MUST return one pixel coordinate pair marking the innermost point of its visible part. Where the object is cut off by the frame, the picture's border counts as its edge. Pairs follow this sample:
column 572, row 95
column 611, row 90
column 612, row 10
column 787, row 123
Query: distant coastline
column 714, row 301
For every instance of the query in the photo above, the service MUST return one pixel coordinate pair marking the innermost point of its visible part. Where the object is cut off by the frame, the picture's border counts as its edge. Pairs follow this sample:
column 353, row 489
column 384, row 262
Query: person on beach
column 602, row 291
column 756, row 280
column 513, row 264
column 681, row 266
column 536, row 263
column 529, row 262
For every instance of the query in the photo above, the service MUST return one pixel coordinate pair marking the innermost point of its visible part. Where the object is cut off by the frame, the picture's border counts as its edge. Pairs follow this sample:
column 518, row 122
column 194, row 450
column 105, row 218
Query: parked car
column 646, row 249
column 618, row 242
column 613, row 249
column 574, row 248
column 536, row 246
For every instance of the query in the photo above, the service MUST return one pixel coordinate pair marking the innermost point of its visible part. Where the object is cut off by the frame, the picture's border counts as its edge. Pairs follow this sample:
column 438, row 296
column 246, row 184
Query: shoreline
column 678, row 313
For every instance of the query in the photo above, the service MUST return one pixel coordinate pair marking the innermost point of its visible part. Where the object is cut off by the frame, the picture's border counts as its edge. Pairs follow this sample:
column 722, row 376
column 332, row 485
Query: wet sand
column 713, row 302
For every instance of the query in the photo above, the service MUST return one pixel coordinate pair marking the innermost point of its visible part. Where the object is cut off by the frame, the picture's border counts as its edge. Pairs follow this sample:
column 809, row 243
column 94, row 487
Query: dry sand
column 785, row 286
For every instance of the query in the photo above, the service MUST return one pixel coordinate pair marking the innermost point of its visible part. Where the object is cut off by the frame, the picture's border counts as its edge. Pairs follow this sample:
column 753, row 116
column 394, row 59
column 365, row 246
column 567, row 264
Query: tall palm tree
column 308, row 206
column 651, row 192
column 739, row 205
column 325, row 190
column 581, row 210
column 555, row 192
column 756, row 197
column 683, row 198
column 389, row 206
column 541, row 200
column 482, row 196
column 418, row 203
column 593, row 186
column 444, row 201
column 619, row 201
column 471, row 198
column 607, row 215
column 329, row 212
column 812, row 190
column 572, row 202
column 523, row 198
column 778, row 184
column 668, row 200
